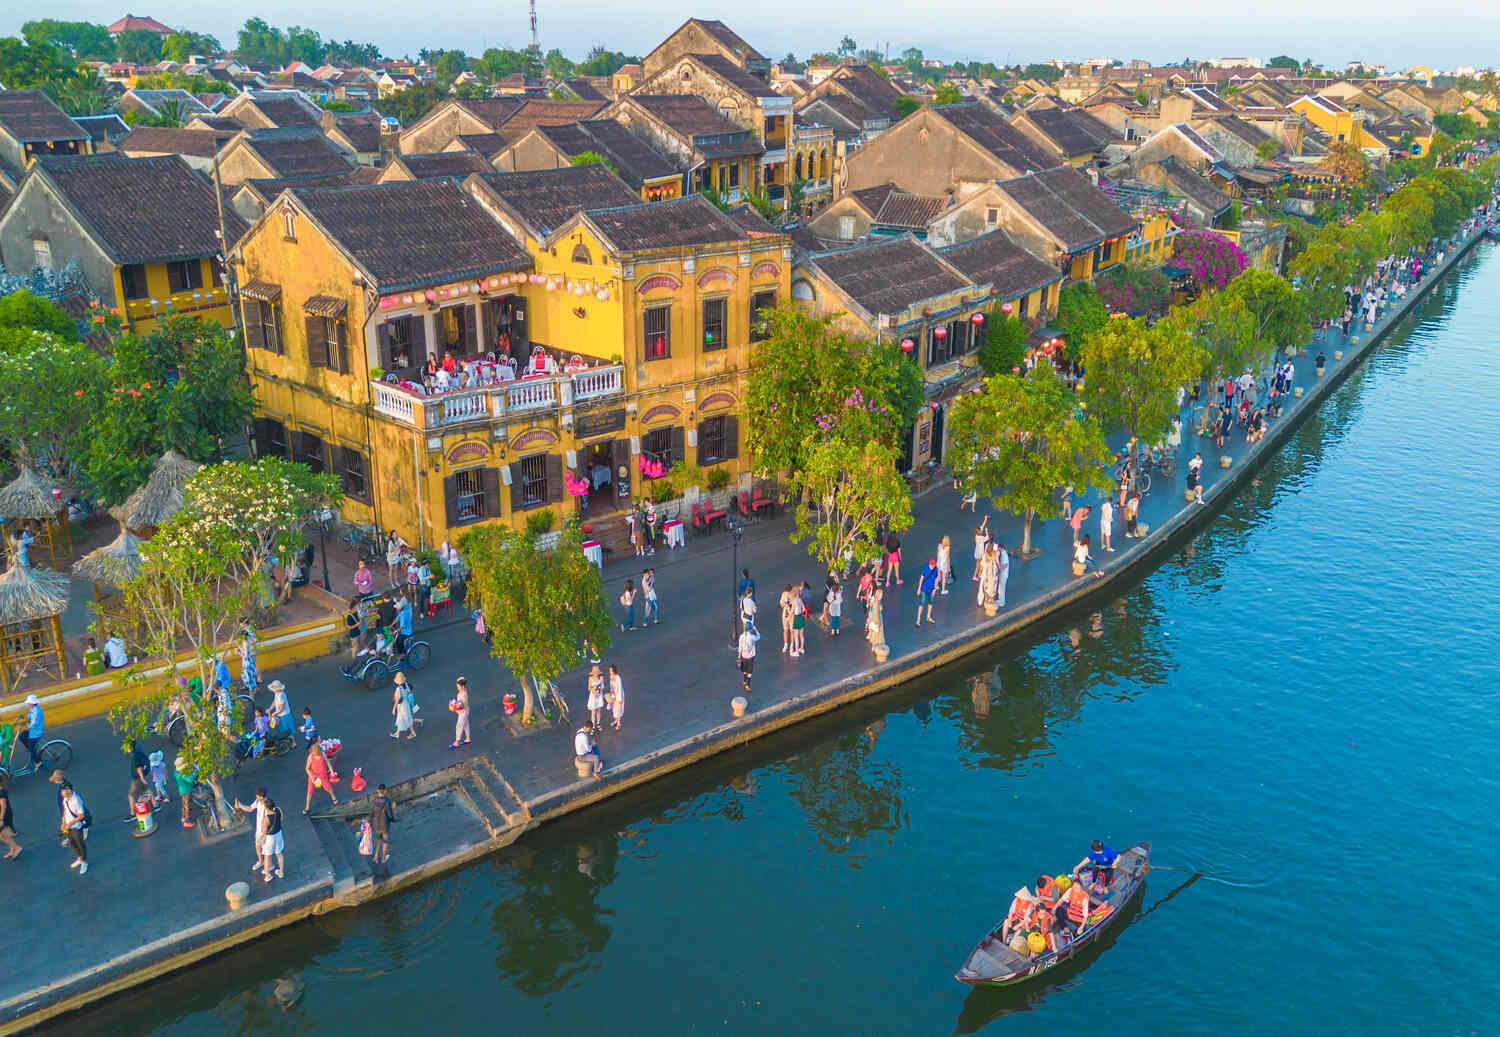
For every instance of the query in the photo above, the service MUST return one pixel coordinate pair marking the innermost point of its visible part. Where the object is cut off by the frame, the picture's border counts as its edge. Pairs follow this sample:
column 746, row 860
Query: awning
column 330, row 306
column 261, row 290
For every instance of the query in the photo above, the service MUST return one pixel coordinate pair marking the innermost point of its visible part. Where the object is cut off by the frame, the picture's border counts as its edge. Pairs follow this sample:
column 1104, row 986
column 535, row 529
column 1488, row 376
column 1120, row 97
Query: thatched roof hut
column 114, row 564
column 161, row 497
column 29, row 496
column 31, row 594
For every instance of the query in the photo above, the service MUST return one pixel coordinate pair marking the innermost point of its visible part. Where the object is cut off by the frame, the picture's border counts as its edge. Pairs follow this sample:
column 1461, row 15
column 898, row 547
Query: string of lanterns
column 546, row 282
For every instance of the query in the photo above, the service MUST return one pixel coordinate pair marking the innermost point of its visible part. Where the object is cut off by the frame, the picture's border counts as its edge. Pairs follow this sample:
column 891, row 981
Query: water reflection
column 846, row 793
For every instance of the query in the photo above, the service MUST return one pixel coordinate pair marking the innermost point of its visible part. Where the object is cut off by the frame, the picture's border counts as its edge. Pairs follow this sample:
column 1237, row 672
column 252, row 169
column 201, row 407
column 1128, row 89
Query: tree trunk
column 1026, row 532
column 229, row 817
column 529, row 697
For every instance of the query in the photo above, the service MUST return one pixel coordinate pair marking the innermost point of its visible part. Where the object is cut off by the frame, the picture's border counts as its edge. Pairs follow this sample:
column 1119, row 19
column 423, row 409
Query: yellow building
column 1150, row 244
column 1337, row 121
column 811, row 163
column 143, row 234
column 626, row 328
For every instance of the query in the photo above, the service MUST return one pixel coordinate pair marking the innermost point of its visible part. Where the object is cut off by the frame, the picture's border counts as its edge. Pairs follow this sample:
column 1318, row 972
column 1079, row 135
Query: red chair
column 712, row 514
column 758, row 502
column 744, row 500
column 699, row 523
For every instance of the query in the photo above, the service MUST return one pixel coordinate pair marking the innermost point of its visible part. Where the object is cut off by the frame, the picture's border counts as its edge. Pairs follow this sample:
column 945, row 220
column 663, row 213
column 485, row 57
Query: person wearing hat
column 185, row 778
column 281, row 710
column 36, row 725
column 596, row 698
column 926, row 587
column 460, row 714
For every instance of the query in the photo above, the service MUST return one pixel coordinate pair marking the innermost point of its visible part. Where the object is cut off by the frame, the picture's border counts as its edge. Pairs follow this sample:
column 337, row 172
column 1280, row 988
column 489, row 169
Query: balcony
column 408, row 405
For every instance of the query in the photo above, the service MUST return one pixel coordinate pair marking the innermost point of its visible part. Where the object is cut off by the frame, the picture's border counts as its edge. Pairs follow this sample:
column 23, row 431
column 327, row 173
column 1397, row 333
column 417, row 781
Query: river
column 1296, row 704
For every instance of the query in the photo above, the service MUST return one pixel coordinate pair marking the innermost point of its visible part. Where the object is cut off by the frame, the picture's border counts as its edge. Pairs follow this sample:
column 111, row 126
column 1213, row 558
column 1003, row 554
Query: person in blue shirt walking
column 926, row 587
column 403, row 625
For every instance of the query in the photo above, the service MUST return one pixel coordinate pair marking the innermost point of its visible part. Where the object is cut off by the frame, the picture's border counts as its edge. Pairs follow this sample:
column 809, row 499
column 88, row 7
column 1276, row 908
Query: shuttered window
column 657, row 327
column 718, row 439
column 309, row 449
column 715, row 324
column 263, row 325
column 760, row 302
column 133, row 281
column 472, row 495
column 270, row 438
column 186, row 276
column 353, row 472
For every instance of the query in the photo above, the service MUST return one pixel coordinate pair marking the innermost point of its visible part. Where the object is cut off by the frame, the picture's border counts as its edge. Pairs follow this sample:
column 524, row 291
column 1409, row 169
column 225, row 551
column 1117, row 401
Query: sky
column 1331, row 33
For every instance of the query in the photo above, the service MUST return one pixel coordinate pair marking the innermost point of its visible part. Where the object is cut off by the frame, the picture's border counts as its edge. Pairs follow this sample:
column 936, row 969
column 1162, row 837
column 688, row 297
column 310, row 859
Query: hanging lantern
column 1005, row 308
column 978, row 318
column 385, row 304
column 494, row 282
column 406, row 300
column 431, row 295
column 907, row 345
column 940, row 332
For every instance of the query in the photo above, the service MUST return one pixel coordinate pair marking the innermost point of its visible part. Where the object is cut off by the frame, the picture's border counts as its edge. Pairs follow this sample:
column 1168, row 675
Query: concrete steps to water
column 351, row 870
column 500, row 791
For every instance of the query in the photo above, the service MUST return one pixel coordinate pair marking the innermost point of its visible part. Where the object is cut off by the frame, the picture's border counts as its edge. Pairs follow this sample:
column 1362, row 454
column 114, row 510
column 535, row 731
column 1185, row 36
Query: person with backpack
column 76, row 822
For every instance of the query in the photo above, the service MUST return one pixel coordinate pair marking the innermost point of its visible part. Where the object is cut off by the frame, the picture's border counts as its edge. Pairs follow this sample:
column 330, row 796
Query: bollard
column 582, row 766
column 1187, row 495
column 236, row 894
column 1317, row 371
column 1297, row 390
column 738, row 705
column 1225, row 460
column 1338, row 354
column 882, row 652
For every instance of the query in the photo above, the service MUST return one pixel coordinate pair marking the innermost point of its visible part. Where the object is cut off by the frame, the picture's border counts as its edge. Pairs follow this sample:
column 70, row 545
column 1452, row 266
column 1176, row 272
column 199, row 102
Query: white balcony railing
column 496, row 401
column 520, row 397
column 598, row 382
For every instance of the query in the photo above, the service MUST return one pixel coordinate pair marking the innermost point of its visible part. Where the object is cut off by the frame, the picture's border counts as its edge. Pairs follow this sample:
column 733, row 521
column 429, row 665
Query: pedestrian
column 1195, row 477
column 1067, row 502
column 364, row 581
column 788, row 597
column 379, row 819
column 748, row 638
column 1076, row 522
column 1002, row 573
column 1081, row 556
column 75, row 826
column 257, row 830
column 616, row 695
column 650, row 527
column 354, row 626
column 746, row 584
column 648, row 587
column 829, row 582
column 627, row 599
column 8, row 821
column 424, row 584
column 866, row 585
column 460, row 714
column 309, row 726
column 584, row 749
column 1106, row 523
column 1132, row 512
column 944, row 564
column 273, row 842
column 747, row 606
column 970, row 499
column 140, row 771
column 926, row 587
column 401, row 710
column 319, row 775
column 596, row 698
column 987, row 575
column 249, row 670
column 799, row 624
column 281, row 710
column 892, row 558
column 633, row 524
column 393, row 568
column 835, row 609
column 185, row 777
column 874, row 622
column 981, row 537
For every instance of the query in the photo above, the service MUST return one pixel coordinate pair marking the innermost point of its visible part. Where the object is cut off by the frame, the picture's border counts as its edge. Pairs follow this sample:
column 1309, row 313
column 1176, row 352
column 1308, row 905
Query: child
column 309, row 726
column 259, row 732
column 159, row 776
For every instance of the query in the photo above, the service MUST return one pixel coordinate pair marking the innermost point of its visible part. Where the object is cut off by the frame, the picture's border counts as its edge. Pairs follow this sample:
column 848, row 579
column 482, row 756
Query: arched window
column 802, row 290
column 798, row 167
column 581, row 254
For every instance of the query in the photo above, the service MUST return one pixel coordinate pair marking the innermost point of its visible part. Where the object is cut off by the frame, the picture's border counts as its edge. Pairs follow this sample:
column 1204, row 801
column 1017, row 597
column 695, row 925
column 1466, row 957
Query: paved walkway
column 679, row 677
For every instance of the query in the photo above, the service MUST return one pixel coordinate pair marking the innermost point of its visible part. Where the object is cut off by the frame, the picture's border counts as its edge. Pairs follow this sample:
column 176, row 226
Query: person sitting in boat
column 1102, row 860
column 1077, row 903
column 1022, row 907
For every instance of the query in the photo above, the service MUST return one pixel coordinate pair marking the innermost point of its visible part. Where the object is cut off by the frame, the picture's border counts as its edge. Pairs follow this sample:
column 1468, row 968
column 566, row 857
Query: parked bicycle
column 367, row 541
column 550, row 690
column 174, row 720
column 375, row 670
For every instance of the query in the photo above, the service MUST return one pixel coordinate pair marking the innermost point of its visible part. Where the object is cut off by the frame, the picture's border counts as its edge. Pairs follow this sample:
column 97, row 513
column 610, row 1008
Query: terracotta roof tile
column 998, row 137
column 547, row 198
column 444, row 163
column 889, row 276
column 997, row 259
column 675, row 224
column 30, row 116
column 165, row 140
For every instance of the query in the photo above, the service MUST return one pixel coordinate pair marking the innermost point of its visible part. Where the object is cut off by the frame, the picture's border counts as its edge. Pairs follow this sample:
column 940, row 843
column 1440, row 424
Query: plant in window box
column 718, row 478
column 540, row 522
column 377, row 373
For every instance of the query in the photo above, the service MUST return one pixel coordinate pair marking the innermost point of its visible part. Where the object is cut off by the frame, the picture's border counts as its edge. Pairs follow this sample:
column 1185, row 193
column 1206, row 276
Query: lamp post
column 737, row 529
column 323, row 518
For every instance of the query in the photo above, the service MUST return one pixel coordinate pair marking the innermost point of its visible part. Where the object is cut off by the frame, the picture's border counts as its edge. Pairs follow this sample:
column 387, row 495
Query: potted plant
column 718, row 478
column 377, row 373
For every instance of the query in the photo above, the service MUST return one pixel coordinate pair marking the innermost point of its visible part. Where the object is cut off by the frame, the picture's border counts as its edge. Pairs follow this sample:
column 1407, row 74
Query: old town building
column 653, row 174
column 718, row 154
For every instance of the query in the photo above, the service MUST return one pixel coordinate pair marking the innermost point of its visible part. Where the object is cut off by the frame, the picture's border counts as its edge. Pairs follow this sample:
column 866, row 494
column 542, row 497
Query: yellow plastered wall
column 210, row 302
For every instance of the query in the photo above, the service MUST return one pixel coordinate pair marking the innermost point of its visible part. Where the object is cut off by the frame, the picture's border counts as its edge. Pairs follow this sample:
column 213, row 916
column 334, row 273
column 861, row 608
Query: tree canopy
column 1134, row 372
column 1080, row 312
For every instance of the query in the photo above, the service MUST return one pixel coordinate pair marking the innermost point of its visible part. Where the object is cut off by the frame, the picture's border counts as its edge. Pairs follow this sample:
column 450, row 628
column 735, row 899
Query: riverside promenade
column 151, row 905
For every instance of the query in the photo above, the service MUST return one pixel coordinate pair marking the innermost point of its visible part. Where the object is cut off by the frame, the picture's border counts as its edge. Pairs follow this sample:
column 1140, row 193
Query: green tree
column 138, row 46
column 49, row 387
column 34, row 67
column 22, row 313
column 1021, row 441
column 1134, row 373
column 807, row 368
column 948, row 93
column 1046, row 73
column 84, row 94
column 1268, row 149
column 855, row 486
column 1283, row 61
column 182, row 45
column 449, row 66
column 538, row 605
column 1225, row 328
column 1280, row 315
column 558, row 65
column 411, row 104
column 350, row 53
column 847, row 47
column 1004, row 345
column 1080, row 313
column 86, row 41
column 592, row 158
column 904, row 106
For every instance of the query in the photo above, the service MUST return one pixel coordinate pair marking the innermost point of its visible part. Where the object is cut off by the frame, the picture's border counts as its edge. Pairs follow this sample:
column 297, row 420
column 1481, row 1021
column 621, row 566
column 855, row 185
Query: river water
column 1298, row 704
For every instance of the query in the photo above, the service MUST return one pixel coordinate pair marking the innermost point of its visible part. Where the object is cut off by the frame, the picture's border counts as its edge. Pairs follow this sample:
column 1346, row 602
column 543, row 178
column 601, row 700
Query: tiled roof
column 285, row 111
column 890, row 276
column 103, row 127
column 750, row 220
column 735, row 76
column 1067, row 130
column 306, row 154
column 165, row 140
column 847, row 108
column 872, row 198
column 1071, row 209
column 546, row 113
column 363, row 131
column 634, row 159
column 414, row 233
column 675, row 224
column 546, row 198
column 1248, row 132
column 492, row 111
column 30, row 117
column 218, row 123
column 998, row 137
column 1186, row 182
column 156, row 99
column 867, row 87
column 1193, row 137
column 910, row 211
column 444, row 163
column 685, row 115
column 997, row 259
column 141, row 210
column 135, row 23
column 484, row 143
column 804, row 239
column 727, row 36
column 267, row 190
column 585, row 90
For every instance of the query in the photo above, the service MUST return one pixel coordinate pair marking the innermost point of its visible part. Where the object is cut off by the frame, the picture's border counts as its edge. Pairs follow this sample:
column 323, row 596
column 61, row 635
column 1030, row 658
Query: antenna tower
column 534, row 45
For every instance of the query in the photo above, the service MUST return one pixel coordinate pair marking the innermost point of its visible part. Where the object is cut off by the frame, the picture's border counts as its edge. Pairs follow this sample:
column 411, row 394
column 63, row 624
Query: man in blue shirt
column 36, row 724
column 403, row 625
column 926, row 587
column 1102, row 859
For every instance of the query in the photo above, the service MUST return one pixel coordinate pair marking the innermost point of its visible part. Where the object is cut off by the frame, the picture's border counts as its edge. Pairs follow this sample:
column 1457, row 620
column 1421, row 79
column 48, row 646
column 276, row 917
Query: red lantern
column 907, row 345
column 1005, row 308
column 978, row 318
column 940, row 332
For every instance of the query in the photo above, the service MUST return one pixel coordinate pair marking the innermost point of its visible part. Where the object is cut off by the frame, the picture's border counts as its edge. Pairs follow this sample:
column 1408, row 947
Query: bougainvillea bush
column 1212, row 260
column 1134, row 290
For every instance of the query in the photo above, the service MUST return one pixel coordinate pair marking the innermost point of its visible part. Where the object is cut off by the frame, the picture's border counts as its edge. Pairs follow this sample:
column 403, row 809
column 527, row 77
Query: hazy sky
column 1332, row 32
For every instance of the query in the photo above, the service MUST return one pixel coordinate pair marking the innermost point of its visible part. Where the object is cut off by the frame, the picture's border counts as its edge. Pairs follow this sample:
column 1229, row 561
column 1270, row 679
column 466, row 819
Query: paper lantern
column 406, row 299
column 978, row 318
column 940, row 332
column 494, row 282
column 385, row 304
column 431, row 295
column 907, row 345
column 1005, row 308
column 1015, row 370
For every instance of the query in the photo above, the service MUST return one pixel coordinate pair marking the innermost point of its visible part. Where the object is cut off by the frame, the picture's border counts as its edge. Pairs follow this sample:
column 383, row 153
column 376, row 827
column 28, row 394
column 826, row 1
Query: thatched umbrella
column 31, row 607
column 109, row 569
column 31, row 497
column 161, row 497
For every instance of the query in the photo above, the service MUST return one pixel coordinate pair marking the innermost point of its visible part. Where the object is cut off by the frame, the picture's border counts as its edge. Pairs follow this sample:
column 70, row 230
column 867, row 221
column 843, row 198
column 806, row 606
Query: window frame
column 651, row 440
column 533, row 474
column 353, row 470
column 128, row 273
column 301, row 455
column 720, row 303
column 181, row 275
column 664, row 332
column 707, row 436
column 469, row 483
column 759, row 327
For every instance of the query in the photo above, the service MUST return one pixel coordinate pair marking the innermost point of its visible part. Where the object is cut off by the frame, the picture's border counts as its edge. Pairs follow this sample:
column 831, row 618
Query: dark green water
column 1299, row 703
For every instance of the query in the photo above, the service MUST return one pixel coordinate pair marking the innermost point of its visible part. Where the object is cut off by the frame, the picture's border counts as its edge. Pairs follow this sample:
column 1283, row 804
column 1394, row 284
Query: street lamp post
column 323, row 518
column 737, row 529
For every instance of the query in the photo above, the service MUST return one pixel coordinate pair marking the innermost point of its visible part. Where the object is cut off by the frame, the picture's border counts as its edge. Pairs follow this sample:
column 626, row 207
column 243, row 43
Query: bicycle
column 53, row 754
column 1138, row 479
column 375, row 670
column 549, row 689
column 367, row 541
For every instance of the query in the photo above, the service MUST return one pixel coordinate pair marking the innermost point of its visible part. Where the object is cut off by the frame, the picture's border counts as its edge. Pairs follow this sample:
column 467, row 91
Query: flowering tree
column 1213, row 260
column 539, row 606
column 1132, row 289
column 49, row 386
column 1021, row 441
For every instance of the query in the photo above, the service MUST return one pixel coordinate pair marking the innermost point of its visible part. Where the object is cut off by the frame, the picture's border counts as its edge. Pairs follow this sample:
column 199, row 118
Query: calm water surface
column 1299, row 703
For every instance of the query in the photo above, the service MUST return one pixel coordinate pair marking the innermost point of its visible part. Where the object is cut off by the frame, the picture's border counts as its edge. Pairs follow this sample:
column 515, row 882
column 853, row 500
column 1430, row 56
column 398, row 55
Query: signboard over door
column 599, row 423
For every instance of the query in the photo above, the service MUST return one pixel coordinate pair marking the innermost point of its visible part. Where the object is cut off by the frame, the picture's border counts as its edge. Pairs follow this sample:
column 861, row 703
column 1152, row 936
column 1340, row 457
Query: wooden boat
column 994, row 964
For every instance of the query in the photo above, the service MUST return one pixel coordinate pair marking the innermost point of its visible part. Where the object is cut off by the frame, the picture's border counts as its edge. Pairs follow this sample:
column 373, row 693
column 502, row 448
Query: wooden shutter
column 731, row 437
column 450, row 499
column 418, row 326
column 338, row 346
column 489, row 481
column 273, row 341
column 702, row 453
column 517, row 495
column 621, row 451
column 679, row 452
column 255, row 337
column 317, row 341
column 554, row 478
